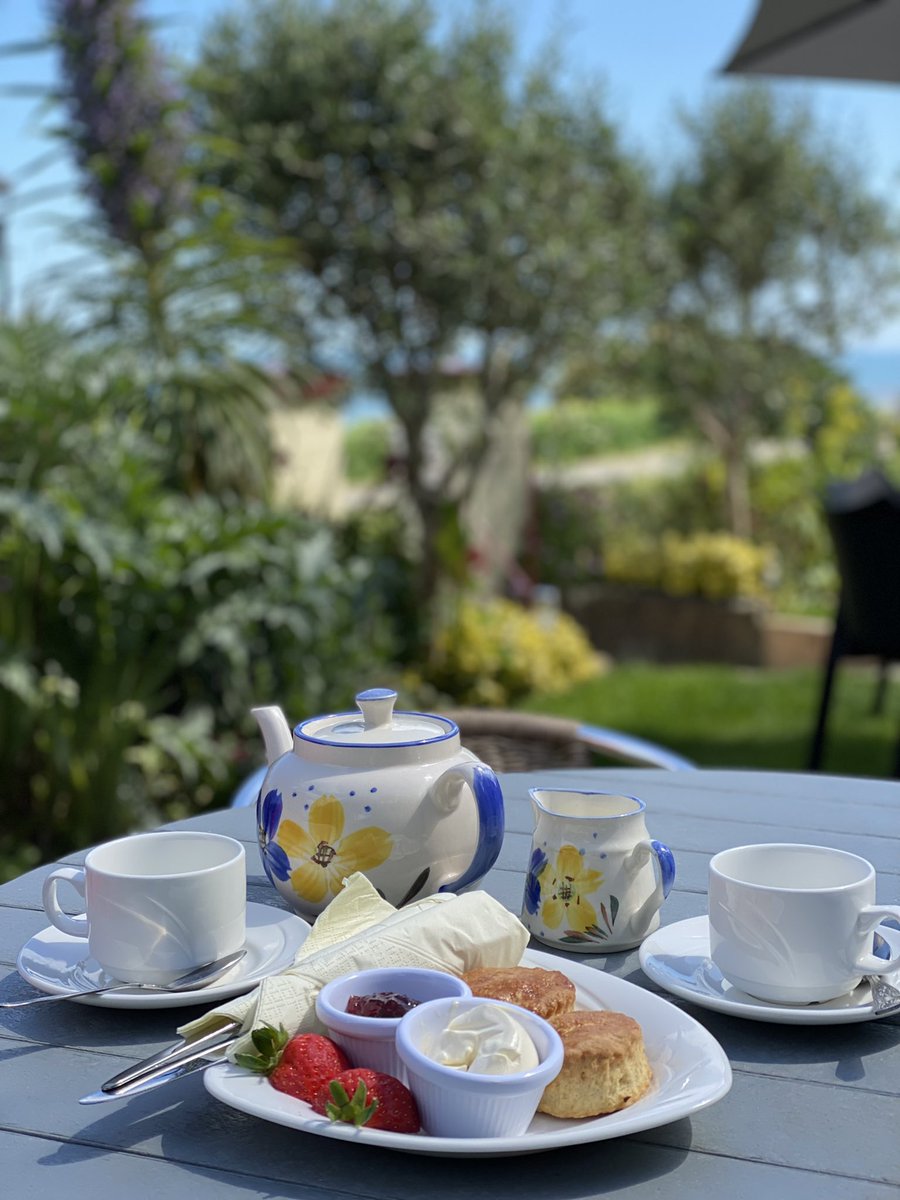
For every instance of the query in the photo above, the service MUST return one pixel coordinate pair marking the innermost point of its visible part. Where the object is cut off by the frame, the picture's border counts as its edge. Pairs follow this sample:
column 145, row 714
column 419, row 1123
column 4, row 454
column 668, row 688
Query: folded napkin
column 359, row 930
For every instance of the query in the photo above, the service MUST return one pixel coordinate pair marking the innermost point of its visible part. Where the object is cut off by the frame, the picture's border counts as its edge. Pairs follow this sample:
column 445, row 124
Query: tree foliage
column 440, row 200
column 778, row 251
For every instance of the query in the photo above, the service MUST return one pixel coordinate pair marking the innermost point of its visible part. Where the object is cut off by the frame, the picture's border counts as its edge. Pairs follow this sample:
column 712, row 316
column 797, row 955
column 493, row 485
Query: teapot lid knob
column 377, row 707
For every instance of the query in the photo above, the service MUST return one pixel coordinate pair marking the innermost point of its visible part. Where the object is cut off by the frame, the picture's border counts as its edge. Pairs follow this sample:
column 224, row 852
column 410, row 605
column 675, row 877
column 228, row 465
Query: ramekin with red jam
column 369, row 1040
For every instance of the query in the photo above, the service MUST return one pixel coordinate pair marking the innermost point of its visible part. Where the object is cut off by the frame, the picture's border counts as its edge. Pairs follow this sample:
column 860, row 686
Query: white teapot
column 391, row 794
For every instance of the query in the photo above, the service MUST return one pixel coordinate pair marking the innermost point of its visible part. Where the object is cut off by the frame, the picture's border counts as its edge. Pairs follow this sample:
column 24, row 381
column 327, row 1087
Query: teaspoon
column 196, row 978
column 885, row 997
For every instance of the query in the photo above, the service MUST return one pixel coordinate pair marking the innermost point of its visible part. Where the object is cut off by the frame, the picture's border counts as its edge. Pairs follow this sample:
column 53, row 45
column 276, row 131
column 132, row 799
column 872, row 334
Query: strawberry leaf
column 354, row 1111
column 269, row 1044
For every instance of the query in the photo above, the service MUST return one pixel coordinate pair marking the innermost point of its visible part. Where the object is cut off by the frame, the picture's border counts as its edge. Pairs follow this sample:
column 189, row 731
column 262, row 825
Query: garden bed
column 639, row 624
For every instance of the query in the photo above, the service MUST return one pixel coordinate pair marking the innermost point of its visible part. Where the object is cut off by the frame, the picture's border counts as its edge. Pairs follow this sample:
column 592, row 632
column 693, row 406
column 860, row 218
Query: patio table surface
column 814, row 1110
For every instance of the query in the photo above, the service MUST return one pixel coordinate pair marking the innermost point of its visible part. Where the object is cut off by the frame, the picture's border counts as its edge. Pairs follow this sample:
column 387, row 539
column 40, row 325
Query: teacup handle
column 485, row 786
column 866, row 921
column 76, row 926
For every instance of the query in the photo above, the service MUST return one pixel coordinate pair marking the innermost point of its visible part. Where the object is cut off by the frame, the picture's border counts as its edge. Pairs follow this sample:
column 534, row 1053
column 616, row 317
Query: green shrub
column 718, row 566
column 367, row 449
column 497, row 652
column 571, row 526
column 574, row 429
column 138, row 626
column 565, row 541
column 385, row 539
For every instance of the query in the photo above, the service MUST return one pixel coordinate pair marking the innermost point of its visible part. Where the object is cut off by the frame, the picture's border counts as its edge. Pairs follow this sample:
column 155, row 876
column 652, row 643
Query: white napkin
column 358, row 930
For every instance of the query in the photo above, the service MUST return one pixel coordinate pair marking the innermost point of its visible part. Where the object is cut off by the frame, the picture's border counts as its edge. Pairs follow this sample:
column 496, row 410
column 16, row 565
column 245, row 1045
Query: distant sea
column 875, row 374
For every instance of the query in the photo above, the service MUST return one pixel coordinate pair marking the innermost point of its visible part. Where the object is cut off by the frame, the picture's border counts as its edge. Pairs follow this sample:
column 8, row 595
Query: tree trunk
column 737, row 486
column 428, row 504
column 494, row 511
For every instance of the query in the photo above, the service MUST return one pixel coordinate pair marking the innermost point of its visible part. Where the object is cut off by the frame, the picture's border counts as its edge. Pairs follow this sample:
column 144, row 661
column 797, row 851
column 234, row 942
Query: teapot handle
column 485, row 786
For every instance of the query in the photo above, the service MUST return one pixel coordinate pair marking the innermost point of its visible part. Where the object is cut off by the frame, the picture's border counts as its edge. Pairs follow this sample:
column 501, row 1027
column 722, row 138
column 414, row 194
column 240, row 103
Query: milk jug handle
column 666, row 860
column 485, row 787
column 646, row 850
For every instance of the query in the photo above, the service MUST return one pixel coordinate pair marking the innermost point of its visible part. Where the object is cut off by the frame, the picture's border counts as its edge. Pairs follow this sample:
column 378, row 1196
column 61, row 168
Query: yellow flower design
column 564, row 886
column 327, row 856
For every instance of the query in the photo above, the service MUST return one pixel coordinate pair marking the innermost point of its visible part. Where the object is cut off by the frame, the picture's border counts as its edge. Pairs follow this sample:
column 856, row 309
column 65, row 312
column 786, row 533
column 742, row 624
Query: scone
column 547, row 993
column 605, row 1067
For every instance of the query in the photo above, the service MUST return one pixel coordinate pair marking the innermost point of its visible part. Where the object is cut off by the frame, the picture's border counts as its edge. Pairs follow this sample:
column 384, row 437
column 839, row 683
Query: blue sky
column 649, row 56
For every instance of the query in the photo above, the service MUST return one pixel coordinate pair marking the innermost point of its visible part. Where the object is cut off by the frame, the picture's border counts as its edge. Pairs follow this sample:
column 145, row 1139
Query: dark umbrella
column 826, row 39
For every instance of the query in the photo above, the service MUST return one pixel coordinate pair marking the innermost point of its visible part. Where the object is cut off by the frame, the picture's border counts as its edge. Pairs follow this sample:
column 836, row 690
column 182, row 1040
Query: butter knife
column 183, row 1058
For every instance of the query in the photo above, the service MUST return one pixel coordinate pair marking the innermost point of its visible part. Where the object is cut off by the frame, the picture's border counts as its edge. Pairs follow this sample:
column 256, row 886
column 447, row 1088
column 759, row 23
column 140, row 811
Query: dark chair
column 864, row 523
column 513, row 741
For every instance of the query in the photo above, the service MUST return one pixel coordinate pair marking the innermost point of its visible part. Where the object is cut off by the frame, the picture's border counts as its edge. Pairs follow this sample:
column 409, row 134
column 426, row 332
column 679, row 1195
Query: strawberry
column 299, row 1066
column 308, row 1062
column 370, row 1098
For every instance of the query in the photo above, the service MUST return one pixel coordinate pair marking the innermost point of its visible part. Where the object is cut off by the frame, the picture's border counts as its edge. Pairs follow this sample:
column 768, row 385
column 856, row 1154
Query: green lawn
column 723, row 716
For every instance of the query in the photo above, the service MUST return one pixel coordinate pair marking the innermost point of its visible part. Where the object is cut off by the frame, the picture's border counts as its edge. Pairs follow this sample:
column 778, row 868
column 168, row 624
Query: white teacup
column 793, row 924
column 157, row 904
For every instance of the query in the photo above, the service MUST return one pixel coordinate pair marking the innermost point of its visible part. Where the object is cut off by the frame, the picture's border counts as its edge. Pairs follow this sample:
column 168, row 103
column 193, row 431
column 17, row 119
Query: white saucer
column 677, row 958
column 55, row 962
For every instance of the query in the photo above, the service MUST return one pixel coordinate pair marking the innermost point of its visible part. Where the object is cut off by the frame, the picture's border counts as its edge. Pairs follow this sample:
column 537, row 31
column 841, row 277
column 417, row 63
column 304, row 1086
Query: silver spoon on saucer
column 196, row 978
column 885, row 997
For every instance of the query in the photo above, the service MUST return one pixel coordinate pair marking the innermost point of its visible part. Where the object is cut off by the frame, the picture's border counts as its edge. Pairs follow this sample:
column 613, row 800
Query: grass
column 573, row 430
column 721, row 716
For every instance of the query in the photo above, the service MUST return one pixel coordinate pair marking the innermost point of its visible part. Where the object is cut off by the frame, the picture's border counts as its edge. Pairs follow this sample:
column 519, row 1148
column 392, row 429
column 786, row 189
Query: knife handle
column 156, row 1077
column 181, row 1051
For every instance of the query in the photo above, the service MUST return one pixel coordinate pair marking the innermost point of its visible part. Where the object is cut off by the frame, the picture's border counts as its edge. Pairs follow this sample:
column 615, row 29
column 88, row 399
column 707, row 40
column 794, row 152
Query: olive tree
column 778, row 250
column 441, row 201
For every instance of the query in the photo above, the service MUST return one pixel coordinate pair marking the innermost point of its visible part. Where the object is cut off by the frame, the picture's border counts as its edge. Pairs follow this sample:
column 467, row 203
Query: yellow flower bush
column 716, row 565
column 494, row 652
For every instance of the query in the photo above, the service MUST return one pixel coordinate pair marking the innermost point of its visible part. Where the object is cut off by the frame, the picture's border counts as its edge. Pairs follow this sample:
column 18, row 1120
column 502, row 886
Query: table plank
column 860, row 1143
column 581, row 1174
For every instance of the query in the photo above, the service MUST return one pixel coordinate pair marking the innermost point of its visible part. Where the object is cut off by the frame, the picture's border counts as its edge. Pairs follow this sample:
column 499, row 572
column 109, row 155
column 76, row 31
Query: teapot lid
column 376, row 724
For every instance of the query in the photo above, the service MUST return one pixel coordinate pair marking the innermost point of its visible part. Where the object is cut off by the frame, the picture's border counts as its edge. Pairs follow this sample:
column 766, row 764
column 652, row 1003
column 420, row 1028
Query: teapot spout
column 275, row 730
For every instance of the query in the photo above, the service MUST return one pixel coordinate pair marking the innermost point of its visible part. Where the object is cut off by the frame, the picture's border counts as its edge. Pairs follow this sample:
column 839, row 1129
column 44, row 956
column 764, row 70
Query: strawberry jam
column 380, row 1004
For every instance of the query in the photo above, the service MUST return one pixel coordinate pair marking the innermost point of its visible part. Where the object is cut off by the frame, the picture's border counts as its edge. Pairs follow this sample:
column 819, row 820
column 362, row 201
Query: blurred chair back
column 864, row 523
column 514, row 741
column 863, row 519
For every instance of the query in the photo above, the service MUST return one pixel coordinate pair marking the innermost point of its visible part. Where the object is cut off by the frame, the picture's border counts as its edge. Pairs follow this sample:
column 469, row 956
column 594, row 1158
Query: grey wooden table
column 814, row 1111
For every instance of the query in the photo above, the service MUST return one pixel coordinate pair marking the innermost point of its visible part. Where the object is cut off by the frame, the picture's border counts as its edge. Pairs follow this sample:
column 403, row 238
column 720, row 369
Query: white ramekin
column 455, row 1103
column 370, row 1041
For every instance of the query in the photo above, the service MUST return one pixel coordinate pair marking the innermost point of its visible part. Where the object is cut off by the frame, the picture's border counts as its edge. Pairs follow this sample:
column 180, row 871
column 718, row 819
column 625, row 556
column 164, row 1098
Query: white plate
column 677, row 958
column 55, row 962
column 690, row 1071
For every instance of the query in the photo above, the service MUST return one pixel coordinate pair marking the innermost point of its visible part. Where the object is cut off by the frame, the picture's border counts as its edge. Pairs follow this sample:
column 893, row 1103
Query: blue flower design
column 532, row 881
column 275, row 861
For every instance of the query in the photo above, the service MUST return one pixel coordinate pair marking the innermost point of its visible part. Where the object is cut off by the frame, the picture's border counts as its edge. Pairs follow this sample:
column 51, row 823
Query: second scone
column 605, row 1067
column 547, row 993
